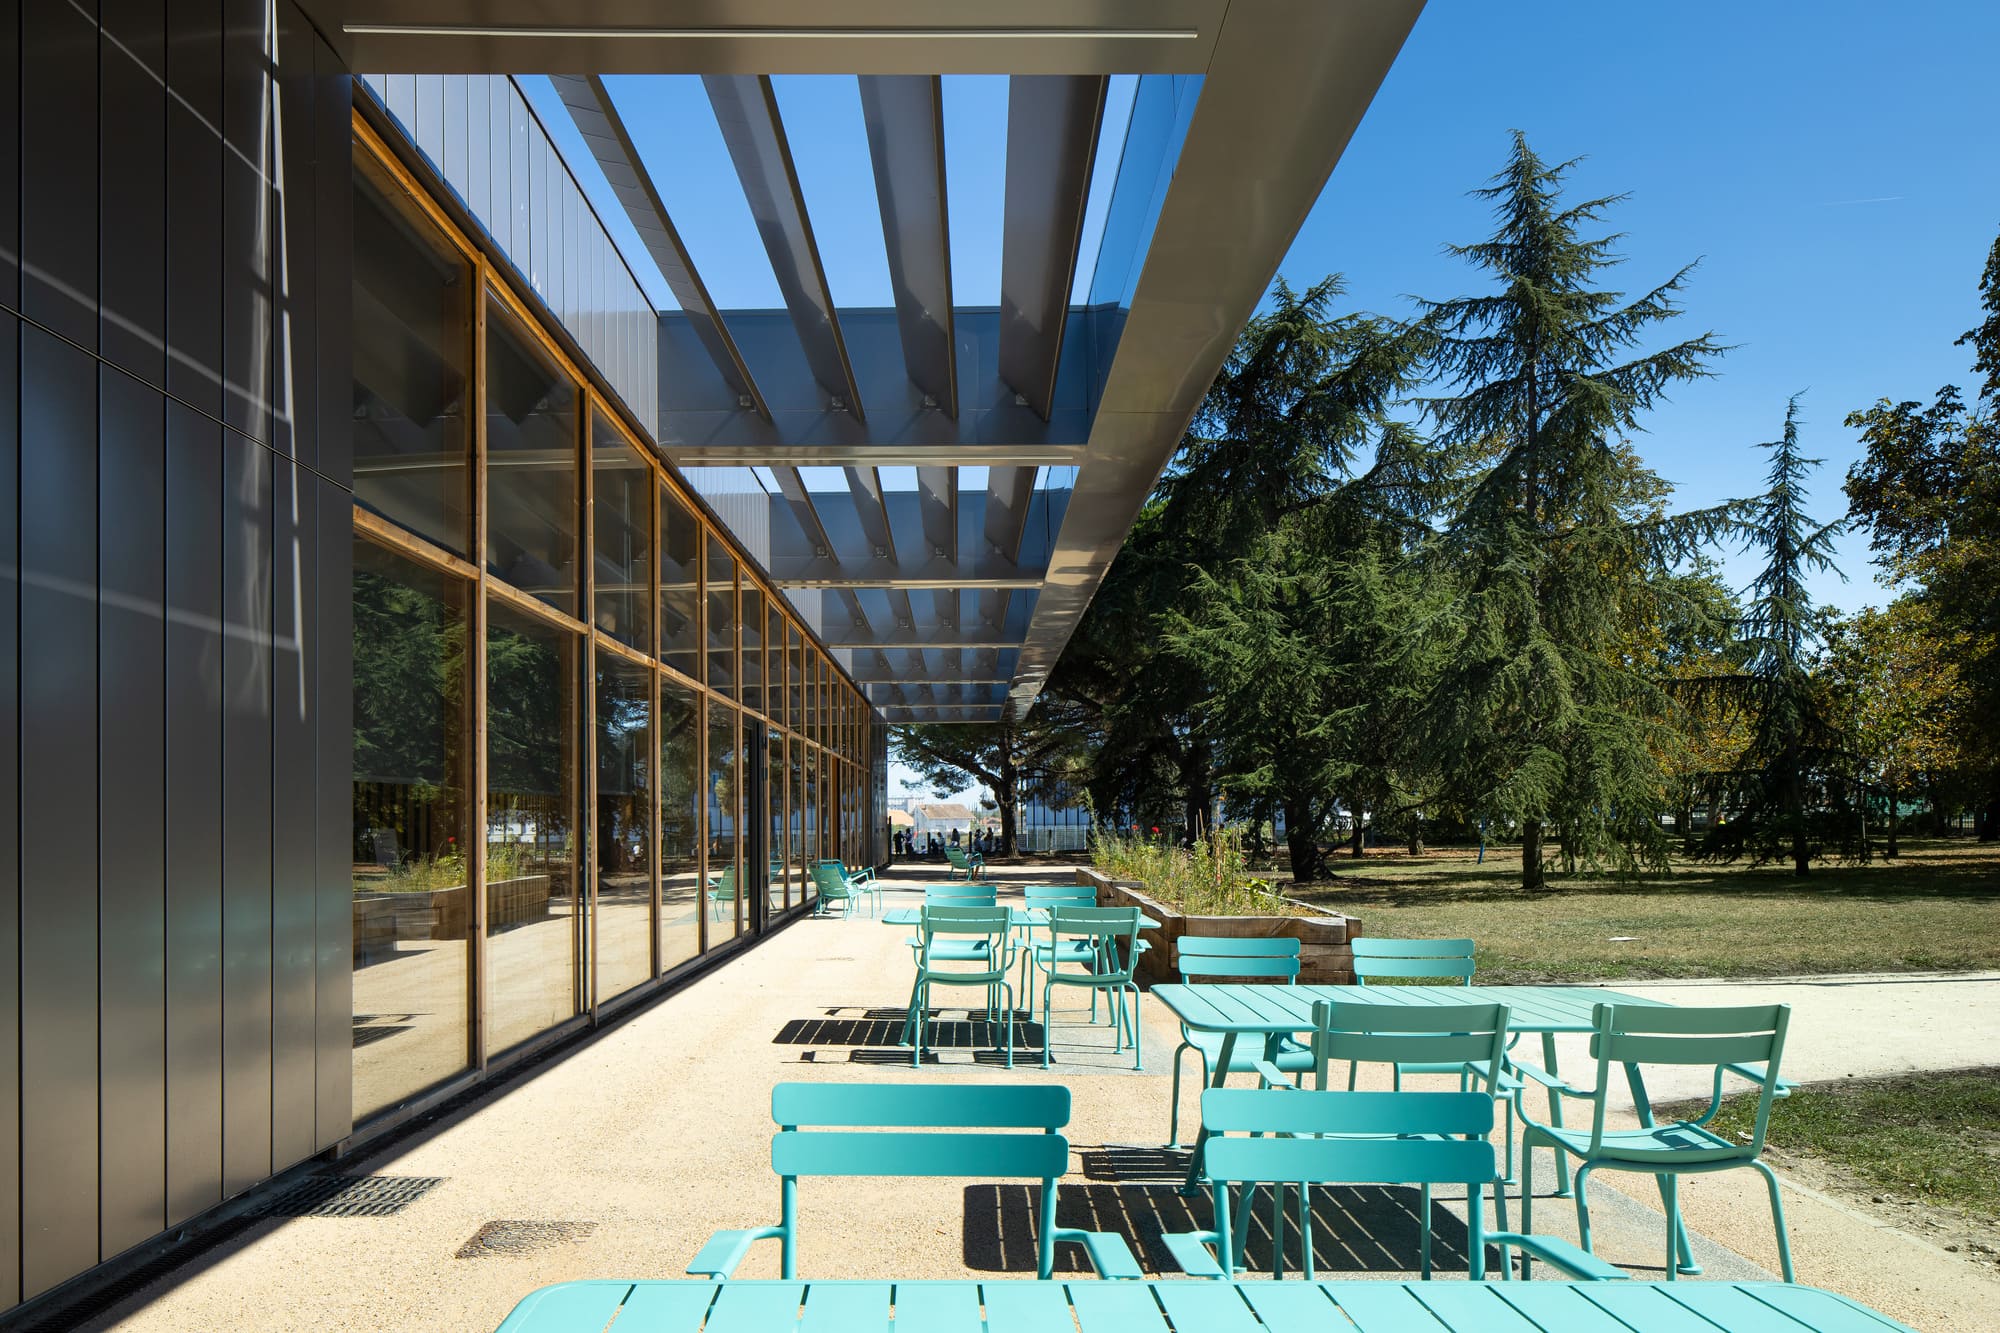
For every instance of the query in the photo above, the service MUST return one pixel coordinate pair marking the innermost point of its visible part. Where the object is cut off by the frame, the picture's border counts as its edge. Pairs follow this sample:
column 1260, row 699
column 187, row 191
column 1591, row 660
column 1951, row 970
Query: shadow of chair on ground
column 1134, row 1192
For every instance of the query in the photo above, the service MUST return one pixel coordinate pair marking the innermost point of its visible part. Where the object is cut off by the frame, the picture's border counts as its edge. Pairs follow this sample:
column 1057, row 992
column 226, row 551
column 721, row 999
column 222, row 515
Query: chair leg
column 1582, row 1204
column 1048, row 1022
column 917, row 1016
column 1008, row 1017
column 1679, row 1256
column 1424, row 1236
column 1777, row 1220
column 1527, row 1203
column 1138, row 1052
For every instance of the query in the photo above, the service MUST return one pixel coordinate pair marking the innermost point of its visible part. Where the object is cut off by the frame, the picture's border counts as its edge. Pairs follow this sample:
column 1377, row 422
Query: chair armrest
column 1107, row 1251
column 1579, row 1264
column 725, row 1250
column 1753, row 1074
column 1548, row 1080
column 862, row 876
column 1190, row 1251
column 1270, row 1073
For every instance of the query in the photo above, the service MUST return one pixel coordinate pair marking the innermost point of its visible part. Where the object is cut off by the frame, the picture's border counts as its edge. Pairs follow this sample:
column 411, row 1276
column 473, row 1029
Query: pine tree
column 1788, row 797
column 1562, row 544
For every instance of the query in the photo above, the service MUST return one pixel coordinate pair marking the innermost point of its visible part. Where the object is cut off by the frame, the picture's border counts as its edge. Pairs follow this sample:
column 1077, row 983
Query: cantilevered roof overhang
column 1034, row 429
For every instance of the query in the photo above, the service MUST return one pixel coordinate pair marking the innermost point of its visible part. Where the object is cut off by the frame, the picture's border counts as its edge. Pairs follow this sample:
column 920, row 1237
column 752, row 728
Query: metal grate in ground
column 350, row 1196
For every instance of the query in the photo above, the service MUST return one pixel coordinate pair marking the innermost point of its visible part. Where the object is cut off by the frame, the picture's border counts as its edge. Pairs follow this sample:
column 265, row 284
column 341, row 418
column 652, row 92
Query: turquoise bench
column 972, row 1132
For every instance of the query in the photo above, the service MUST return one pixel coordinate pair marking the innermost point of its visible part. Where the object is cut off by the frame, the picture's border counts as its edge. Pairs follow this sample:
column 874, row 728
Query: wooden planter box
column 1325, row 956
column 381, row 920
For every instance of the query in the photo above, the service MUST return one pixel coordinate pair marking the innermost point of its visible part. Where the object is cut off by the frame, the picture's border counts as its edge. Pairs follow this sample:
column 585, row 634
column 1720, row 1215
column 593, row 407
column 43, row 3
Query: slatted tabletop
column 1189, row 1306
column 1273, row 1009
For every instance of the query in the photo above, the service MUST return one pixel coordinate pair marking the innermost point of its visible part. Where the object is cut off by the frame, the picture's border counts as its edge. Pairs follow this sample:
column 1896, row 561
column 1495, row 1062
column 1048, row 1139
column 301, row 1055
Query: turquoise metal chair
column 833, row 890
column 970, row 865
column 978, row 938
column 721, row 890
column 1091, row 937
column 961, row 895
column 1217, row 957
column 1746, row 1041
column 1307, row 1138
column 1468, row 1039
column 860, row 883
column 1044, row 897
column 856, row 1134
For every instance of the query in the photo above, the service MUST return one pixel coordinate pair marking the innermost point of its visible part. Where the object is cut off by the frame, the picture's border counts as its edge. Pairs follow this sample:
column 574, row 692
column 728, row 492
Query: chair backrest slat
column 1745, row 1048
column 827, row 879
column 1407, row 960
column 1644, row 1034
column 1287, row 1111
column 961, row 897
column 1230, row 946
column 953, row 919
column 851, row 1153
column 926, row 1105
column 1044, row 894
column 1375, row 946
column 1378, row 1161
column 1097, row 922
column 1222, row 965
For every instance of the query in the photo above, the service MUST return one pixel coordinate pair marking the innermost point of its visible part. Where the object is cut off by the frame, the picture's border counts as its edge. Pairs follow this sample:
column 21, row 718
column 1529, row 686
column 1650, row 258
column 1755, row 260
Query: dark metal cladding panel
column 132, row 805
column 335, row 731
column 194, row 204
column 59, row 171
column 10, row 275
column 132, row 190
column 294, row 795
column 248, row 245
column 194, row 813
column 295, row 384
column 333, row 299
column 58, row 842
column 246, row 812
column 10, row 810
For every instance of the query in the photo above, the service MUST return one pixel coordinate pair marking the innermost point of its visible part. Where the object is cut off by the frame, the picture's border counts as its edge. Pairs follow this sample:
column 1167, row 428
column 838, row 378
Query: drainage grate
column 522, row 1237
column 350, row 1196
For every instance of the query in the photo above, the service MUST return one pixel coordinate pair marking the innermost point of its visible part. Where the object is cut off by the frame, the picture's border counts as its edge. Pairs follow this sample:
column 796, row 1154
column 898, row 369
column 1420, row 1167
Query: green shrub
column 1210, row 878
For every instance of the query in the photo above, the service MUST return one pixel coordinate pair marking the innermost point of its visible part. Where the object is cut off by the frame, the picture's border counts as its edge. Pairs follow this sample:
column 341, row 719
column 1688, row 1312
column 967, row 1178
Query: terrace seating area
column 774, row 1101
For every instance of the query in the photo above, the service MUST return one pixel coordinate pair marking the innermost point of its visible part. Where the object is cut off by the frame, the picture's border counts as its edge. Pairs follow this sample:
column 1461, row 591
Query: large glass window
column 680, row 586
column 531, row 473
column 721, row 618
column 412, row 357
column 753, row 647
column 532, row 828
column 681, row 898
column 777, row 653
column 795, row 675
column 622, row 534
column 777, row 777
column 624, row 839
column 412, row 906
column 796, row 844
column 725, row 873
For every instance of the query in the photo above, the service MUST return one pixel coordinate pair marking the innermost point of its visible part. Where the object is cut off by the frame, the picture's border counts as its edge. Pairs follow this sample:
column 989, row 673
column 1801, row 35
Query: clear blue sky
column 1832, row 166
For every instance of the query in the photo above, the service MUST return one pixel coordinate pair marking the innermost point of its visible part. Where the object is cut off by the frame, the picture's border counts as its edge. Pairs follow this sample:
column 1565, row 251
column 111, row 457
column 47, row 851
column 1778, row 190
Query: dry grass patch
column 1935, row 908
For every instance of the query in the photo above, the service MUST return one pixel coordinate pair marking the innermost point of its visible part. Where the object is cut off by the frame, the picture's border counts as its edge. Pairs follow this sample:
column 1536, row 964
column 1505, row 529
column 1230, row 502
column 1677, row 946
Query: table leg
column 1556, row 1119
column 1216, row 1080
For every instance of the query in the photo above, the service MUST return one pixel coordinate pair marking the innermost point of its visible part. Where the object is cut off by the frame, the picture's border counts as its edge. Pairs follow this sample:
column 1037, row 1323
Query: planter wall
column 1325, row 956
column 381, row 920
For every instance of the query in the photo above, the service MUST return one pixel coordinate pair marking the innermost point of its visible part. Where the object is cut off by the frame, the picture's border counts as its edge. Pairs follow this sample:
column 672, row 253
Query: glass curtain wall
column 543, row 616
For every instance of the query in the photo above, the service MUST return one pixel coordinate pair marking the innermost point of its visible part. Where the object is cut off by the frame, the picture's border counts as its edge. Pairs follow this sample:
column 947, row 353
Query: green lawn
column 1931, row 1138
column 1935, row 908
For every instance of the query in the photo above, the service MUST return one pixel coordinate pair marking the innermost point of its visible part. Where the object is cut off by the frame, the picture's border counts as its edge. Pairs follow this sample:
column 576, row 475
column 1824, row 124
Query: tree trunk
column 1355, row 844
column 1891, row 851
column 1531, row 856
column 1006, row 828
column 1302, row 841
column 1195, row 782
column 1988, row 821
column 1416, row 835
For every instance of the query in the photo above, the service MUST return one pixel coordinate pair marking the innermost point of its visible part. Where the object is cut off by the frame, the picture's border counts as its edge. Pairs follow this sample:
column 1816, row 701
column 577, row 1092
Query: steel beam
column 597, row 120
column 865, row 453
column 746, row 109
column 939, row 637
column 904, row 115
column 1052, row 124
column 1287, row 85
column 794, row 488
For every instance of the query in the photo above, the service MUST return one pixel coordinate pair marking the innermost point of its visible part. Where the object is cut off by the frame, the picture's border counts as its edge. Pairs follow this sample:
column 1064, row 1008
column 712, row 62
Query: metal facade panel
column 59, row 1090
column 295, row 798
column 10, row 808
column 10, row 230
column 248, row 247
column 296, row 333
column 194, row 813
column 246, row 812
column 332, row 275
column 333, row 741
column 132, row 805
column 132, row 187
column 194, row 204
column 58, row 190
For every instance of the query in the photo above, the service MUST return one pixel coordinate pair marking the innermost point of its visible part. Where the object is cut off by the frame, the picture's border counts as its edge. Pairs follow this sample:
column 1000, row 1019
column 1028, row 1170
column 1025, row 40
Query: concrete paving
column 622, row 1156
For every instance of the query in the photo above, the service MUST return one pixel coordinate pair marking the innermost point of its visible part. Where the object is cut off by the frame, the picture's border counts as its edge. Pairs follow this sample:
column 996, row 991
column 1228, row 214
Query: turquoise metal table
column 1017, row 917
column 1189, row 1306
column 1273, row 1011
